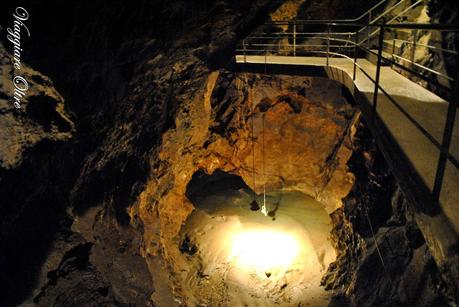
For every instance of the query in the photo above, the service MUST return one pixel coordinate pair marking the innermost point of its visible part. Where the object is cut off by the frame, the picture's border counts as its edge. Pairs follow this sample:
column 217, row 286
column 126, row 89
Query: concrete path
column 425, row 108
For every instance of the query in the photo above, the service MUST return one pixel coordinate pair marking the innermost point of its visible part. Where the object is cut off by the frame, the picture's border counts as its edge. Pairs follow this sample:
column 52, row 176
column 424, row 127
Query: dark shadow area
column 374, row 189
column 92, row 50
column 202, row 185
column 122, row 178
column 222, row 191
column 34, row 200
column 42, row 109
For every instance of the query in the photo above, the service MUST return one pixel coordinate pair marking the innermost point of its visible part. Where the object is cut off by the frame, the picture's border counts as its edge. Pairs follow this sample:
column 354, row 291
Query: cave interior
column 147, row 169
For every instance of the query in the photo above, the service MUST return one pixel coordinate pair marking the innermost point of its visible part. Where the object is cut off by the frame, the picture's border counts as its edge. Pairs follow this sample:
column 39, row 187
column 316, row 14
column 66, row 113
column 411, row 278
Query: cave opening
column 246, row 258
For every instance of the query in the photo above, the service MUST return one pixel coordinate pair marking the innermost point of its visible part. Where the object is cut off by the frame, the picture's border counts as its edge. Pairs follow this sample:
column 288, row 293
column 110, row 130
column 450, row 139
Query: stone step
column 391, row 46
column 372, row 58
column 403, row 34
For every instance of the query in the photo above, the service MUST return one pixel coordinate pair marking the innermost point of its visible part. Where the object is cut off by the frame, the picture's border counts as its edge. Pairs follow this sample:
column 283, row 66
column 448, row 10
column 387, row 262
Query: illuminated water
column 284, row 265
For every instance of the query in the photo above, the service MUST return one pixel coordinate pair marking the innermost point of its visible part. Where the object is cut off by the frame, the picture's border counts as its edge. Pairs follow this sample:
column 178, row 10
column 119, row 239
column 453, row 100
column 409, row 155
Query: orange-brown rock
column 306, row 141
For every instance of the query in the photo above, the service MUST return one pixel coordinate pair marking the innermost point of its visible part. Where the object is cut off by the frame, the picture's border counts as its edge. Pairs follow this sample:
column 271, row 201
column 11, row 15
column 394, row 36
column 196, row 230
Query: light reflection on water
column 224, row 212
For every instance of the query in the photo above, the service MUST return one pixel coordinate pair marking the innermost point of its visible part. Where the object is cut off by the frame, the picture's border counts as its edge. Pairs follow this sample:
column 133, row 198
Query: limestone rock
column 41, row 117
column 306, row 142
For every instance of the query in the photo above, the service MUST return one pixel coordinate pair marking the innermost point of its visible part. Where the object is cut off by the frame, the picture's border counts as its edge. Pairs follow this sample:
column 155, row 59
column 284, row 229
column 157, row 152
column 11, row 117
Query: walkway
column 414, row 101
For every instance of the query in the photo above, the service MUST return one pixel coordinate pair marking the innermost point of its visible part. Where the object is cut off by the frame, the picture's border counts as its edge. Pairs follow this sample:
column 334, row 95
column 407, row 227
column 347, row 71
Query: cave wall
column 383, row 258
column 31, row 184
column 122, row 73
column 87, row 205
column 308, row 139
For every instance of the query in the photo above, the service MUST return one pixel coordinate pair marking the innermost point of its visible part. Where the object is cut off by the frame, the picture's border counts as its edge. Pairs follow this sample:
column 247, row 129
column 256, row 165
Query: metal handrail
column 291, row 45
column 299, row 33
column 392, row 19
column 426, row 46
column 369, row 51
column 407, row 69
column 423, row 67
column 386, row 12
column 404, row 25
column 342, row 22
column 367, row 13
column 406, row 10
column 370, row 22
column 444, row 145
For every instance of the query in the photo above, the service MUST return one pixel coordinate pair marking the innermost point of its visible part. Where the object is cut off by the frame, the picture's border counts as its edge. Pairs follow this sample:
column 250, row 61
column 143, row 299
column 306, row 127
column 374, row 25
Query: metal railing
column 367, row 16
column 336, row 43
column 371, row 34
column 367, row 19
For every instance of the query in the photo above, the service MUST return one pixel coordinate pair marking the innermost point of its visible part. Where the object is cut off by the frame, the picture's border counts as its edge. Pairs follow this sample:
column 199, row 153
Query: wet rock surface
column 383, row 259
column 95, row 187
column 298, row 126
column 306, row 141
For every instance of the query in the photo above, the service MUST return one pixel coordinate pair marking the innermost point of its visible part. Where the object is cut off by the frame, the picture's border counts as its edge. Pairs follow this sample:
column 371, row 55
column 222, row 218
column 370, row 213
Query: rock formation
column 95, row 186
column 307, row 141
column 41, row 117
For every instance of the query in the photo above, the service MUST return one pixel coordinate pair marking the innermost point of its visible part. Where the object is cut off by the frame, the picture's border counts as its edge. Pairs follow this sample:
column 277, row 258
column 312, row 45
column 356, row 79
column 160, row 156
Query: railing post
column 328, row 43
column 266, row 55
column 355, row 53
column 446, row 141
column 294, row 38
column 245, row 54
column 413, row 51
column 378, row 70
column 393, row 46
column 368, row 30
